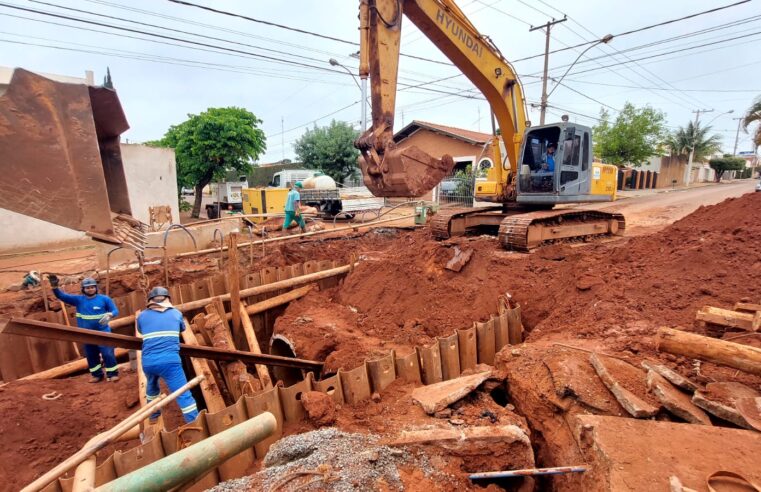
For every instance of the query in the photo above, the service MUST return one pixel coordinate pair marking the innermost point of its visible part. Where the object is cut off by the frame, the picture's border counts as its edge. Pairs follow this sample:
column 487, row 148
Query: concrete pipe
column 194, row 461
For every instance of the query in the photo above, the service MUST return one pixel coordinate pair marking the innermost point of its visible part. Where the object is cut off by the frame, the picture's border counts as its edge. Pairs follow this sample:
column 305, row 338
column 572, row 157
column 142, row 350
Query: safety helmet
column 298, row 184
column 35, row 275
column 89, row 282
column 158, row 291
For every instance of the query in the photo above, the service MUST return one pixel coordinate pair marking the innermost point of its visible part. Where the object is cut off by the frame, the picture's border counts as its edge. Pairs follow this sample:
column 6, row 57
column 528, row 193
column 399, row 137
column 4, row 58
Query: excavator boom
column 389, row 171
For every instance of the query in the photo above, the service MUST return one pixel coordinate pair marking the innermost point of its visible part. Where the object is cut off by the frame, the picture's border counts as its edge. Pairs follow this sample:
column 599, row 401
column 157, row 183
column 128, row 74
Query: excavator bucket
column 61, row 159
column 407, row 172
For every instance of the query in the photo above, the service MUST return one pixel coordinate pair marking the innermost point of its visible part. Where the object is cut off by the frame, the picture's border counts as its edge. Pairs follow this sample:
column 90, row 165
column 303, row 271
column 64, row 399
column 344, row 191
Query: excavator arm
column 389, row 171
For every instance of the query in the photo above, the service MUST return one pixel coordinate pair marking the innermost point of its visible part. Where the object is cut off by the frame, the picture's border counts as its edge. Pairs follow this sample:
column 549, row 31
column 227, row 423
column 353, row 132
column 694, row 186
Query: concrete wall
column 152, row 180
column 7, row 72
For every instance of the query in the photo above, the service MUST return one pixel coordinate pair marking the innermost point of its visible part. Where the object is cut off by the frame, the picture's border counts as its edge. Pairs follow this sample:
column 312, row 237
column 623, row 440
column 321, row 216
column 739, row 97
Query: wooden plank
column 70, row 368
column 747, row 307
column 743, row 357
column 234, row 276
column 726, row 317
column 253, row 346
column 209, row 388
column 239, row 382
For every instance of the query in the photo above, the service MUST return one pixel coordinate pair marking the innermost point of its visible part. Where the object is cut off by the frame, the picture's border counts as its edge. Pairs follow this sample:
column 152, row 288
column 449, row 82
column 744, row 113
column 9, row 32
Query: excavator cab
column 556, row 165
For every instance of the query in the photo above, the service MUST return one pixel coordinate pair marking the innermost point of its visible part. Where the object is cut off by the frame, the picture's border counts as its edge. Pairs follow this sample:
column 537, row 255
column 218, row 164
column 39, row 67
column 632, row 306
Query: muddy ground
column 608, row 297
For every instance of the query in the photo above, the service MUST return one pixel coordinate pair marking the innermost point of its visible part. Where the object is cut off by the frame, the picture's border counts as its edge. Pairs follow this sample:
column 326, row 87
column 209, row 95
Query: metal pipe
column 166, row 254
column 221, row 245
column 193, row 461
column 108, row 269
column 529, row 472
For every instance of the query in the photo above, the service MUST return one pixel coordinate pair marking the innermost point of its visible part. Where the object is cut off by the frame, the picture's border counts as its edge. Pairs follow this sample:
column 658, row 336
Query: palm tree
column 754, row 115
column 680, row 142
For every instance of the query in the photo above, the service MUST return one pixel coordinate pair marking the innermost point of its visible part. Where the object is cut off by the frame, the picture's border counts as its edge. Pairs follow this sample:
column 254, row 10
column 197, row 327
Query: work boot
column 113, row 379
column 94, row 380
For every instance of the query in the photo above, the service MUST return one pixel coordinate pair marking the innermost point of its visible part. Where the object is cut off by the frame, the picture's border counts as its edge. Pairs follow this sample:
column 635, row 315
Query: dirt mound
column 623, row 291
column 618, row 292
column 37, row 434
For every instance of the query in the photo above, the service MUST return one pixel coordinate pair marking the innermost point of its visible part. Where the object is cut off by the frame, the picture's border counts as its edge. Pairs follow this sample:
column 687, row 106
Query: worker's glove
column 105, row 319
column 53, row 279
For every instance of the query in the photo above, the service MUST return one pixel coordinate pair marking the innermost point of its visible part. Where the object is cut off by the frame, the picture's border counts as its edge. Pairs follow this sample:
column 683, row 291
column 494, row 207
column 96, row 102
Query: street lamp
column 362, row 90
column 604, row 40
column 688, row 171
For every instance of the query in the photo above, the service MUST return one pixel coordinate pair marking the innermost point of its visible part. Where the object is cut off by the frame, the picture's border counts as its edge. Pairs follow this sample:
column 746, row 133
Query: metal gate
column 457, row 189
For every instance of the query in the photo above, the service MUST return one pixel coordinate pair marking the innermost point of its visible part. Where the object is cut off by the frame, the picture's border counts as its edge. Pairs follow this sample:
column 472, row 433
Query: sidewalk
column 620, row 195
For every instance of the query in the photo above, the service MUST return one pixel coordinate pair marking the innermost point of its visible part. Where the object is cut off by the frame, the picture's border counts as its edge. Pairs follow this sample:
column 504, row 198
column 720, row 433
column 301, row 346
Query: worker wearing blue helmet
column 160, row 326
column 94, row 311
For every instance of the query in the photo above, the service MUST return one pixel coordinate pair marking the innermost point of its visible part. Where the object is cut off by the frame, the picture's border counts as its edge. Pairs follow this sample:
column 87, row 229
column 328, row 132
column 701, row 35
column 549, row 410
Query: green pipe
column 191, row 462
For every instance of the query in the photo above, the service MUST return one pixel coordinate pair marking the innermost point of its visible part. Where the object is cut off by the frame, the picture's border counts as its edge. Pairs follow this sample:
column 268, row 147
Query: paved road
column 650, row 212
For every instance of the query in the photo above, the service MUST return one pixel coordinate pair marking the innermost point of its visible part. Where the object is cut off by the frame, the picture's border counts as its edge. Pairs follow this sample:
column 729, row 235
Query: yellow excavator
column 525, row 183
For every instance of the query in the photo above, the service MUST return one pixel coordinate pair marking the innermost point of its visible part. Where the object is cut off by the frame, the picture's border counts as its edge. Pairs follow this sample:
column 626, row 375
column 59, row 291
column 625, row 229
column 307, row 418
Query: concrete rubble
column 609, row 370
column 436, row 397
column 719, row 399
column 676, row 402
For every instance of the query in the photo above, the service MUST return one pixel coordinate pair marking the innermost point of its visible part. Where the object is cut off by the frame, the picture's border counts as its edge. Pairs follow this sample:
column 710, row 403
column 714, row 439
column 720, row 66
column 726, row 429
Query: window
column 585, row 152
column 483, row 167
column 276, row 181
column 571, row 151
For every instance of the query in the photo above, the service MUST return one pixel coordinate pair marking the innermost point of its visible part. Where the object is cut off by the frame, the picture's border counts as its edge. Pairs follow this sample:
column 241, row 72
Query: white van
column 286, row 179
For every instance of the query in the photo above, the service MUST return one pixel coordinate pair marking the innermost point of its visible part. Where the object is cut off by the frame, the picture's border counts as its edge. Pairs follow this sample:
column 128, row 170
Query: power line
column 632, row 31
column 294, row 29
column 577, row 81
column 196, row 43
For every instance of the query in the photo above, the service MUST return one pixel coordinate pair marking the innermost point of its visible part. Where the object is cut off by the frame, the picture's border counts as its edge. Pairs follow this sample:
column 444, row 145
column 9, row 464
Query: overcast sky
column 161, row 80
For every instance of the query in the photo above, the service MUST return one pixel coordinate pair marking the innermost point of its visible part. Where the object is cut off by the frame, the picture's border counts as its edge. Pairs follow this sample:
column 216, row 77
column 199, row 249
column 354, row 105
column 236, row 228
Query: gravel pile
column 329, row 459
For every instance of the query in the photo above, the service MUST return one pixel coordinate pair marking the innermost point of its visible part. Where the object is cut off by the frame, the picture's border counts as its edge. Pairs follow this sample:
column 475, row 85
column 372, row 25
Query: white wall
column 151, row 179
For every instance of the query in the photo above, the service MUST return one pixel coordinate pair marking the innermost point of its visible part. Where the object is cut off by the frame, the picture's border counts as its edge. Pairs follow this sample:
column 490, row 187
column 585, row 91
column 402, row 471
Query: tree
column 330, row 149
column 680, row 142
column 209, row 144
column 632, row 138
column 726, row 163
column 754, row 116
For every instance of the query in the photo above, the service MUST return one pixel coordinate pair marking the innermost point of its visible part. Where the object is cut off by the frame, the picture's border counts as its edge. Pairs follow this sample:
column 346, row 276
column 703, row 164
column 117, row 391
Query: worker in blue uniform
column 94, row 311
column 160, row 326
column 293, row 208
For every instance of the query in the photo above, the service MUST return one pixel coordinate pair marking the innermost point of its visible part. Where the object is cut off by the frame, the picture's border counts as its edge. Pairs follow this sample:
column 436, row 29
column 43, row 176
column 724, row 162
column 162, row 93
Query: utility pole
column 547, row 27
column 688, row 171
column 737, row 134
column 282, row 136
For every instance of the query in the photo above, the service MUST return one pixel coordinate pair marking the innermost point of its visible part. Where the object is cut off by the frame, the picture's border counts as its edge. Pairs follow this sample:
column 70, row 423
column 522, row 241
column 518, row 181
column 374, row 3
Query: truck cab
column 286, row 179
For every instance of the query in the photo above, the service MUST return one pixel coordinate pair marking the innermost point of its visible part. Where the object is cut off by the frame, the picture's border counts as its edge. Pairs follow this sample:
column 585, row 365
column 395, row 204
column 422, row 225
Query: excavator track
column 452, row 221
column 527, row 231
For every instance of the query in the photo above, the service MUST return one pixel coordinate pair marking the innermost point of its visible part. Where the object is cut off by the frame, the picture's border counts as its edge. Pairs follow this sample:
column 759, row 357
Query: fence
column 457, row 189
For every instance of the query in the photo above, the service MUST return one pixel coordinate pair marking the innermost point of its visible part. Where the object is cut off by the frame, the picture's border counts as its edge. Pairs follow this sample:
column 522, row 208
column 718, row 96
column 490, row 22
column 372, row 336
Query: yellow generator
column 264, row 201
column 604, row 179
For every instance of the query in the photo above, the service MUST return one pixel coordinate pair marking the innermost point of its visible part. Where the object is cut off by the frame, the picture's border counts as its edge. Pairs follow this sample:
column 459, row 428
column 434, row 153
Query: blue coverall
column 161, row 357
column 89, row 312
